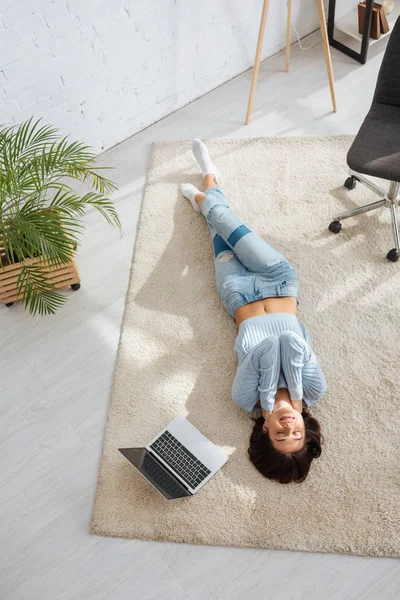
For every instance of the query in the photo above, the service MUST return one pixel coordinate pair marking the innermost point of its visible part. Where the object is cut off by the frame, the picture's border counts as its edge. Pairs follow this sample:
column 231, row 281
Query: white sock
column 202, row 156
column 189, row 191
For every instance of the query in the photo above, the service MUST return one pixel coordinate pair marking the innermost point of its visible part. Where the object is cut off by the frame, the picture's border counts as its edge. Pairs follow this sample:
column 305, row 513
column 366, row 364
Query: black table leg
column 359, row 56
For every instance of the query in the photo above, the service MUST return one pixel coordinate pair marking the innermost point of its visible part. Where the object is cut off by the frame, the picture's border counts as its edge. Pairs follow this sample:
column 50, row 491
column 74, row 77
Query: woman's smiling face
column 286, row 429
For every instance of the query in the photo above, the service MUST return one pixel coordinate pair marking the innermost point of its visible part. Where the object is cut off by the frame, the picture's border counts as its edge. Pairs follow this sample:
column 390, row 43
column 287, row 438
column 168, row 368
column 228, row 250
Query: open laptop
column 178, row 461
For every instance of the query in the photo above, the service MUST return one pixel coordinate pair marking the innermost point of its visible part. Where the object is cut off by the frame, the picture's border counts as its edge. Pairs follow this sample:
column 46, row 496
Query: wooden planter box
column 65, row 276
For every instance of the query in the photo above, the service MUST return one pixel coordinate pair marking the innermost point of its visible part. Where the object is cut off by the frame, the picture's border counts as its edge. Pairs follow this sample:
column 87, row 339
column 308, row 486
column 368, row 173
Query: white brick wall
column 102, row 70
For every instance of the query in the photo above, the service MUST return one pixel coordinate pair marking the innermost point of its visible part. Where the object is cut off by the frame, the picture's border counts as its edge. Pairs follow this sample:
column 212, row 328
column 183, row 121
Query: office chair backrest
column 387, row 89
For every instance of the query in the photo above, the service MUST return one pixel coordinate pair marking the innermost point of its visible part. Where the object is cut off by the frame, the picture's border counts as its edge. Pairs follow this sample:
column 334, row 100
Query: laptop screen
column 155, row 472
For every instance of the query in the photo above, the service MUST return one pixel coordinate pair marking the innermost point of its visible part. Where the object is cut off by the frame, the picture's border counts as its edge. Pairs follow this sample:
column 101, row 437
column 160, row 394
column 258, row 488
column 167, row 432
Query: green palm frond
column 40, row 213
column 39, row 296
column 104, row 206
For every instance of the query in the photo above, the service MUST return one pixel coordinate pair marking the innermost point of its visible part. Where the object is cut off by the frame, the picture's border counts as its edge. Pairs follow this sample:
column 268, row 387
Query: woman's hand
column 266, row 414
column 297, row 405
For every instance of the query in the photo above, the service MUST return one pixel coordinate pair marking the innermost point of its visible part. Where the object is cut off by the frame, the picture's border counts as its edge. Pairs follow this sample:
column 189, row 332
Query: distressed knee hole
column 225, row 256
column 219, row 211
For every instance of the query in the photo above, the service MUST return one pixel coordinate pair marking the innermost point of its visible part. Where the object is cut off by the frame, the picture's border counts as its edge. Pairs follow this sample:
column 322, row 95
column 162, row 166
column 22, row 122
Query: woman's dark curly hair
column 289, row 466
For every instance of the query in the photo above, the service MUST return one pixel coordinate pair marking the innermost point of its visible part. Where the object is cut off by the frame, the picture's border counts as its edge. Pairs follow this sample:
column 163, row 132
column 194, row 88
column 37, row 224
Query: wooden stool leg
column 257, row 59
column 288, row 31
column 327, row 52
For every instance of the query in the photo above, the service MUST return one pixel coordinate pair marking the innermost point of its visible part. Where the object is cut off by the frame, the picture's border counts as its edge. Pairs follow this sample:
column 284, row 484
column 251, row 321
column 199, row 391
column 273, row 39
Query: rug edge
column 153, row 151
column 98, row 531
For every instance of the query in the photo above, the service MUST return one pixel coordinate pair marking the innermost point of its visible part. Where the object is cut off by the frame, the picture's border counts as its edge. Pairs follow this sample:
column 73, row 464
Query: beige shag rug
column 176, row 356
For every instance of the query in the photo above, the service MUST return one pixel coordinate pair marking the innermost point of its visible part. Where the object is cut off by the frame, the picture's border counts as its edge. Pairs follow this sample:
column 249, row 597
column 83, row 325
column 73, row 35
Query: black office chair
column 376, row 149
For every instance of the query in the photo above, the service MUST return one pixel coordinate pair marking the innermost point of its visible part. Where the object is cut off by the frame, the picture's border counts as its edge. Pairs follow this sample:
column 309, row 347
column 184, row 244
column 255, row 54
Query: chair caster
column 335, row 226
column 350, row 183
column 75, row 286
column 393, row 255
column 9, row 303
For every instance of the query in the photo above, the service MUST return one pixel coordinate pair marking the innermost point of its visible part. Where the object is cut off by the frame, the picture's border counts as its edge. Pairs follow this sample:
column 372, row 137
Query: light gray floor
column 56, row 375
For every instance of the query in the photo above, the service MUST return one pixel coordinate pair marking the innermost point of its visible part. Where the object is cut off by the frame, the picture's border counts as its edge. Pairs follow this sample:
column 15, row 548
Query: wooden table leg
column 288, row 32
column 257, row 59
column 327, row 52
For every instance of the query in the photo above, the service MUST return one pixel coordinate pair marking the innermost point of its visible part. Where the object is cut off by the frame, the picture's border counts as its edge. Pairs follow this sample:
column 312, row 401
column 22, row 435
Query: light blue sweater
column 275, row 351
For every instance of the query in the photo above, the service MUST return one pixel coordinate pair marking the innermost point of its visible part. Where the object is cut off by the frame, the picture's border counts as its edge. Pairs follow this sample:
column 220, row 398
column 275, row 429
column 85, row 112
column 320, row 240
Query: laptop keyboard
column 180, row 459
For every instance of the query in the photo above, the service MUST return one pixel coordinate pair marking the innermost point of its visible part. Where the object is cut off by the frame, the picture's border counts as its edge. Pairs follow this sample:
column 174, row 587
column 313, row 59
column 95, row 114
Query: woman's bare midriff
column 266, row 306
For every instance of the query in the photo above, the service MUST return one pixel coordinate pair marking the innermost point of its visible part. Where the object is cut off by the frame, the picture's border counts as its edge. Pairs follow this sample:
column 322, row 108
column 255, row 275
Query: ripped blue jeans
column 247, row 268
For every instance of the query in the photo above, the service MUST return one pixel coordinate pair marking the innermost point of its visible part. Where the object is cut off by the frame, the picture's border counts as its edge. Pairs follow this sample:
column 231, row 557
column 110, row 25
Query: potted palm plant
column 41, row 213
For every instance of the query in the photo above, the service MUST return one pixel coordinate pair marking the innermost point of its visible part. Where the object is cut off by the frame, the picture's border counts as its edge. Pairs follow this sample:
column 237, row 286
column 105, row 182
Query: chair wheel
column 393, row 255
column 350, row 183
column 9, row 303
column 335, row 226
column 75, row 286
